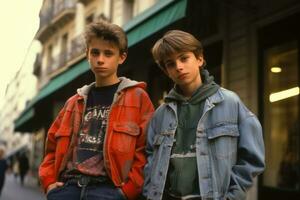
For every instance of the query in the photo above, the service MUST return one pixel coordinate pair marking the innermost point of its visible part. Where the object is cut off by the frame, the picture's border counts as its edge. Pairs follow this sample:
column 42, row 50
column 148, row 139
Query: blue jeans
column 92, row 192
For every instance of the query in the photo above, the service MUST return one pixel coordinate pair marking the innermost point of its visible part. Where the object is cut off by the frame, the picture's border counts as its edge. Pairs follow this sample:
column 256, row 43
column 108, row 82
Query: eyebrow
column 179, row 55
column 94, row 49
column 104, row 50
column 182, row 54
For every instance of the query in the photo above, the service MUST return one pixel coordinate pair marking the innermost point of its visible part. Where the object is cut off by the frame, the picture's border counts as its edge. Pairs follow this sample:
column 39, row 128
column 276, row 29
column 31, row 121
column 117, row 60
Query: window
column 49, row 59
column 89, row 19
column 64, row 50
column 128, row 10
column 281, row 116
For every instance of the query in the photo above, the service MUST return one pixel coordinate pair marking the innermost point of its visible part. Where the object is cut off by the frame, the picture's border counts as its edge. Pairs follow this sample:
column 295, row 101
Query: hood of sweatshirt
column 124, row 84
column 207, row 88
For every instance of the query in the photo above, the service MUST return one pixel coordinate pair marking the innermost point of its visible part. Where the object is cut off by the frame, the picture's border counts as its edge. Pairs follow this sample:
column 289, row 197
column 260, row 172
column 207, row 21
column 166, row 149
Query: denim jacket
column 229, row 148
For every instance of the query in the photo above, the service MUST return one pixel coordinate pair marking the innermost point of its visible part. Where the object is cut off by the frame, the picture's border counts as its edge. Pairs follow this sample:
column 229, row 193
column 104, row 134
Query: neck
column 100, row 82
column 188, row 90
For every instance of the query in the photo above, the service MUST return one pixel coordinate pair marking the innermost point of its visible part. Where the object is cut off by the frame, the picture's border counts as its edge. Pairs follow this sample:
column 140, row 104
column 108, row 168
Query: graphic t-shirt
column 87, row 156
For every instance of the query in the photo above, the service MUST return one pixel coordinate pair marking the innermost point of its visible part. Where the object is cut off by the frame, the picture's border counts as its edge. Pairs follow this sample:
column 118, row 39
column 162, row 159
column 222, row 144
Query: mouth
column 100, row 69
column 182, row 76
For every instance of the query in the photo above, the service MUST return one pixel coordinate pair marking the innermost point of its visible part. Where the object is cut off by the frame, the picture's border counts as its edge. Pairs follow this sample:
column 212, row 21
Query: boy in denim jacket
column 203, row 143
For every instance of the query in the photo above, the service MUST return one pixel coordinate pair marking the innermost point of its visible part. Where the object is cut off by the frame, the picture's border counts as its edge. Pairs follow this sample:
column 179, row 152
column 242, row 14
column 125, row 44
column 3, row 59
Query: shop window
column 281, row 116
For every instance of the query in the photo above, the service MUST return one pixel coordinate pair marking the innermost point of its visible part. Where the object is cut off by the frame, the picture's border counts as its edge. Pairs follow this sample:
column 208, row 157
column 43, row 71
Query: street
column 14, row 191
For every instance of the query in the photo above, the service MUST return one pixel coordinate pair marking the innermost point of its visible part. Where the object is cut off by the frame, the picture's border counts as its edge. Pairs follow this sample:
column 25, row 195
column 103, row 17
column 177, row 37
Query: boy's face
column 104, row 58
column 183, row 69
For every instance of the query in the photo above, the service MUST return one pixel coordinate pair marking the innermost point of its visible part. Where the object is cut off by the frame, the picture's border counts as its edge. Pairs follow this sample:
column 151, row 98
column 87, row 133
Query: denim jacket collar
column 210, row 101
column 216, row 98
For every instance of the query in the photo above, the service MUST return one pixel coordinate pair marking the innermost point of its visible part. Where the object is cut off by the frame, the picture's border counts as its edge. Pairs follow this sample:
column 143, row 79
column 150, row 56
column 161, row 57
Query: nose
column 100, row 59
column 179, row 65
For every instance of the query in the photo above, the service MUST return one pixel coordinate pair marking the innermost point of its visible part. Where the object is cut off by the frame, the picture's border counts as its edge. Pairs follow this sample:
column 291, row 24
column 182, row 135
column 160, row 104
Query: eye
column 95, row 52
column 108, row 53
column 184, row 58
column 170, row 64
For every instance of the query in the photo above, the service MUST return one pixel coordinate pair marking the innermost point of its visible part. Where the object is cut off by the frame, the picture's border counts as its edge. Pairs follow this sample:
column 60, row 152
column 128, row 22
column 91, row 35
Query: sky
column 19, row 22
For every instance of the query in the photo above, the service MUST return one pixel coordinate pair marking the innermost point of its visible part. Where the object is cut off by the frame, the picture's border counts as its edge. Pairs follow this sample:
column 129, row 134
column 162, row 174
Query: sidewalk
column 14, row 191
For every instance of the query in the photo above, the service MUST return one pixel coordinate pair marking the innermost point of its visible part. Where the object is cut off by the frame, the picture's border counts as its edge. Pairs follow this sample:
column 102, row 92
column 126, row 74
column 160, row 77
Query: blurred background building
column 20, row 90
column 251, row 47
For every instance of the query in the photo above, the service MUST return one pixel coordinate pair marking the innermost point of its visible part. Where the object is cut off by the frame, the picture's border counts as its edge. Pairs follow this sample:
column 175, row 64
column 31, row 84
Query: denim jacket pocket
column 124, row 136
column 223, row 140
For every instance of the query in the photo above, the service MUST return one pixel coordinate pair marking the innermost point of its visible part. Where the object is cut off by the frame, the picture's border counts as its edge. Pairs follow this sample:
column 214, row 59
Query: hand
column 54, row 185
column 122, row 193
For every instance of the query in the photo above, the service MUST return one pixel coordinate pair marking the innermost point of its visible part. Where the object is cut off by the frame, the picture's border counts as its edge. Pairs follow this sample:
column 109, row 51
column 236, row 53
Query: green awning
column 25, row 116
column 162, row 14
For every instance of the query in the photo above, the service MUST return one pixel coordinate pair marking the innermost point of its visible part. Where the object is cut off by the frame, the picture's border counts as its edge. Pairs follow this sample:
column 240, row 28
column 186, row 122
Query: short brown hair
column 108, row 32
column 175, row 41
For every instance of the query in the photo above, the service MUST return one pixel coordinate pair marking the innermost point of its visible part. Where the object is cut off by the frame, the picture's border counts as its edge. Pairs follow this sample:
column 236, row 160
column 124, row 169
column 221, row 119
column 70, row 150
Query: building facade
column 251, row 47
column 19, row 91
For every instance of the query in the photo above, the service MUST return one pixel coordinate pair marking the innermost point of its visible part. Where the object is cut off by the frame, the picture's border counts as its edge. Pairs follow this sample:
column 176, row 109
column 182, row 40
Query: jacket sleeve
column 136, row 177
column 149, row 152
column 250, row 155
column 47, row 173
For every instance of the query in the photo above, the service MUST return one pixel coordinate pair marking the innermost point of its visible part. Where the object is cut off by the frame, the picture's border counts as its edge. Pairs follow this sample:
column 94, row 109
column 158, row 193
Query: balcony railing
column 45, row 17
column 62, row 5
column 64, row 11
column 45, row 29
column 54, row 17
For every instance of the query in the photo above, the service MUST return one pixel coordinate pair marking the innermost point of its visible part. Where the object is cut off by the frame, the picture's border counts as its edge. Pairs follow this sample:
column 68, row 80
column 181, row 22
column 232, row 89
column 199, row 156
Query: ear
column 122, row 58
column 200, row 60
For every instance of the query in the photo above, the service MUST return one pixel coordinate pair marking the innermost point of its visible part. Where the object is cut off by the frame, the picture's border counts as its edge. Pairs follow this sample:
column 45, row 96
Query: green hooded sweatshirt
column 182, row 174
